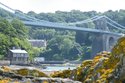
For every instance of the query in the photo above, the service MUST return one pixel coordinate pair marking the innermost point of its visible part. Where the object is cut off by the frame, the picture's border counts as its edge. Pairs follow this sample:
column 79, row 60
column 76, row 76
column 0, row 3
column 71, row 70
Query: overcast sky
column 64, row 5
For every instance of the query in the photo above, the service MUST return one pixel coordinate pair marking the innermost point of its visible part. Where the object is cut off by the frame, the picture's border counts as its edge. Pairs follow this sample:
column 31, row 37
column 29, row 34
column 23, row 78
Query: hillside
column 65, row 44
column 79, row 43
column 14, row 34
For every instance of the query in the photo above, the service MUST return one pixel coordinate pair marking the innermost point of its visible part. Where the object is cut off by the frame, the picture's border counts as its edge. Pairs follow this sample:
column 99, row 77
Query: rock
column 106, row 67
column 54, row 80
column 30, row 72
column 25, row 75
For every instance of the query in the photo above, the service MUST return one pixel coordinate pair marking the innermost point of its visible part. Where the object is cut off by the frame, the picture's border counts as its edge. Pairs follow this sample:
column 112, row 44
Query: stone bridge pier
column 102, row 42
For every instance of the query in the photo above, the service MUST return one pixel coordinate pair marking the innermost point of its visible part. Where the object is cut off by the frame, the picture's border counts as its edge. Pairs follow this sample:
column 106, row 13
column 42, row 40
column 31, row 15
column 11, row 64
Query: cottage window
column 26, row 58
column 21, row 55
column 25, row 55
column 14, row 58
column 19, row 58
column 23, row 59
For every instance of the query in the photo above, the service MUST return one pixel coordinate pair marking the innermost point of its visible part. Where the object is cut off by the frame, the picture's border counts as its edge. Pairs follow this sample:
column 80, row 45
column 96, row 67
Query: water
column 58, row 68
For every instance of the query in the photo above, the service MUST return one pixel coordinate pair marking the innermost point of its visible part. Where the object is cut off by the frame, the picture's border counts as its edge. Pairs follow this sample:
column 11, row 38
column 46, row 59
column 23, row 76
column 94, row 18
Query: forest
column 61, row 44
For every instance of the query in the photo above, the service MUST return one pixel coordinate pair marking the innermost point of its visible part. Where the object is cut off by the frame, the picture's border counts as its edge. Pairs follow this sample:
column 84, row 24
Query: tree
column 21, row 30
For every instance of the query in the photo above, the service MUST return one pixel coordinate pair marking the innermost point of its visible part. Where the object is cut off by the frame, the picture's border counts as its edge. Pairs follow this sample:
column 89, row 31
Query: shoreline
column 46, row 71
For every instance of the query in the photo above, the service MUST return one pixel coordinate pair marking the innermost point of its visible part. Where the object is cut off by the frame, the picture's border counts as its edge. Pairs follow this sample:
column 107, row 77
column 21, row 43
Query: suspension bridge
column 104, row 34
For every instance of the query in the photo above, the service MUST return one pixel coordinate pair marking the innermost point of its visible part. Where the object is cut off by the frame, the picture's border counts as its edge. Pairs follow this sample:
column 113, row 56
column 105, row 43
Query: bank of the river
column 48, row 68
column 105, row 67
column 51, row 69
column 27, row 74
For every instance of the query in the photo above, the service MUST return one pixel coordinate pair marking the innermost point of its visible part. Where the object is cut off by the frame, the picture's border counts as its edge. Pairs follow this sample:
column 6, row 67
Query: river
column 58, row 68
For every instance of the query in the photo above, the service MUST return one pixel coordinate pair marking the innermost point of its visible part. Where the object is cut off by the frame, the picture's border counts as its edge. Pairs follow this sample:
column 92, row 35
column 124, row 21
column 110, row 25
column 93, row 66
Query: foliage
column 57, row 50
column 14, row 34
column 60, row 46
column 21, row 30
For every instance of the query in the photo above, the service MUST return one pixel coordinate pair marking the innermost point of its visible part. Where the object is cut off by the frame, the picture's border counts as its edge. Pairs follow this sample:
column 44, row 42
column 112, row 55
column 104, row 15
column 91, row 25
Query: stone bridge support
column 102, row 42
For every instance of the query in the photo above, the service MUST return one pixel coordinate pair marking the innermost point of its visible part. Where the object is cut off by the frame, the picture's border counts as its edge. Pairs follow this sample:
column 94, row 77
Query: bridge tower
column 102, row 42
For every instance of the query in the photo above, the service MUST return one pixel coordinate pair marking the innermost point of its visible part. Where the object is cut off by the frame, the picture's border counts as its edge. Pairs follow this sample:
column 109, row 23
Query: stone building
column 18, row 57
column 38, row 43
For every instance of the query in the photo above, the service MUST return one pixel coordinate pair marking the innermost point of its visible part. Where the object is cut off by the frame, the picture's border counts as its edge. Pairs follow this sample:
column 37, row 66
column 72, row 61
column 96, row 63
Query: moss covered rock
column 105, row 67
column 30, row 72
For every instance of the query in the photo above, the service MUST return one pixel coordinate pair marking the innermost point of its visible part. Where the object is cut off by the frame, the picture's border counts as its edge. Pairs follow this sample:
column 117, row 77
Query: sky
column 46, row 6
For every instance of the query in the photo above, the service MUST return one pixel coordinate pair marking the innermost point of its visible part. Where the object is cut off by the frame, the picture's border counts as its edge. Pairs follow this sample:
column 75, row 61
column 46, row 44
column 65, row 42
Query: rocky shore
column 26, row 75
column 105, row 67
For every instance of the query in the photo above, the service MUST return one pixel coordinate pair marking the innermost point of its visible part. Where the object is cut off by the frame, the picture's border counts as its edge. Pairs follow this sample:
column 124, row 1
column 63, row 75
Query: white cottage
column 18, row 57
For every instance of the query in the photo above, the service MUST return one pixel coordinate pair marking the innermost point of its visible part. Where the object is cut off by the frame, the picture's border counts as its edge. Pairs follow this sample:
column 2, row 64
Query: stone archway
column 111, row 42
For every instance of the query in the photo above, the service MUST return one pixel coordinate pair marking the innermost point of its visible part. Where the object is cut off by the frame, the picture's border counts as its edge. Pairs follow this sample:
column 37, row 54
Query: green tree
column 21, row 30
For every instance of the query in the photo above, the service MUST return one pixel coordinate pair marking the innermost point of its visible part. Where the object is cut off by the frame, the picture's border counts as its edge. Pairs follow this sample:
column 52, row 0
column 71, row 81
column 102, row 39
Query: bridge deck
column 59, row 26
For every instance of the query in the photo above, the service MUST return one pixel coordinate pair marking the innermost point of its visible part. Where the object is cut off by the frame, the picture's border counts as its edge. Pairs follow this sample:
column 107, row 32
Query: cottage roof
column 18, row 51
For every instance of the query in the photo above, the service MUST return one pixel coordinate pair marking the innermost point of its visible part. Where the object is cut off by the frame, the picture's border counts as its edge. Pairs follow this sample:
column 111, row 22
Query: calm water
column 57, row 68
